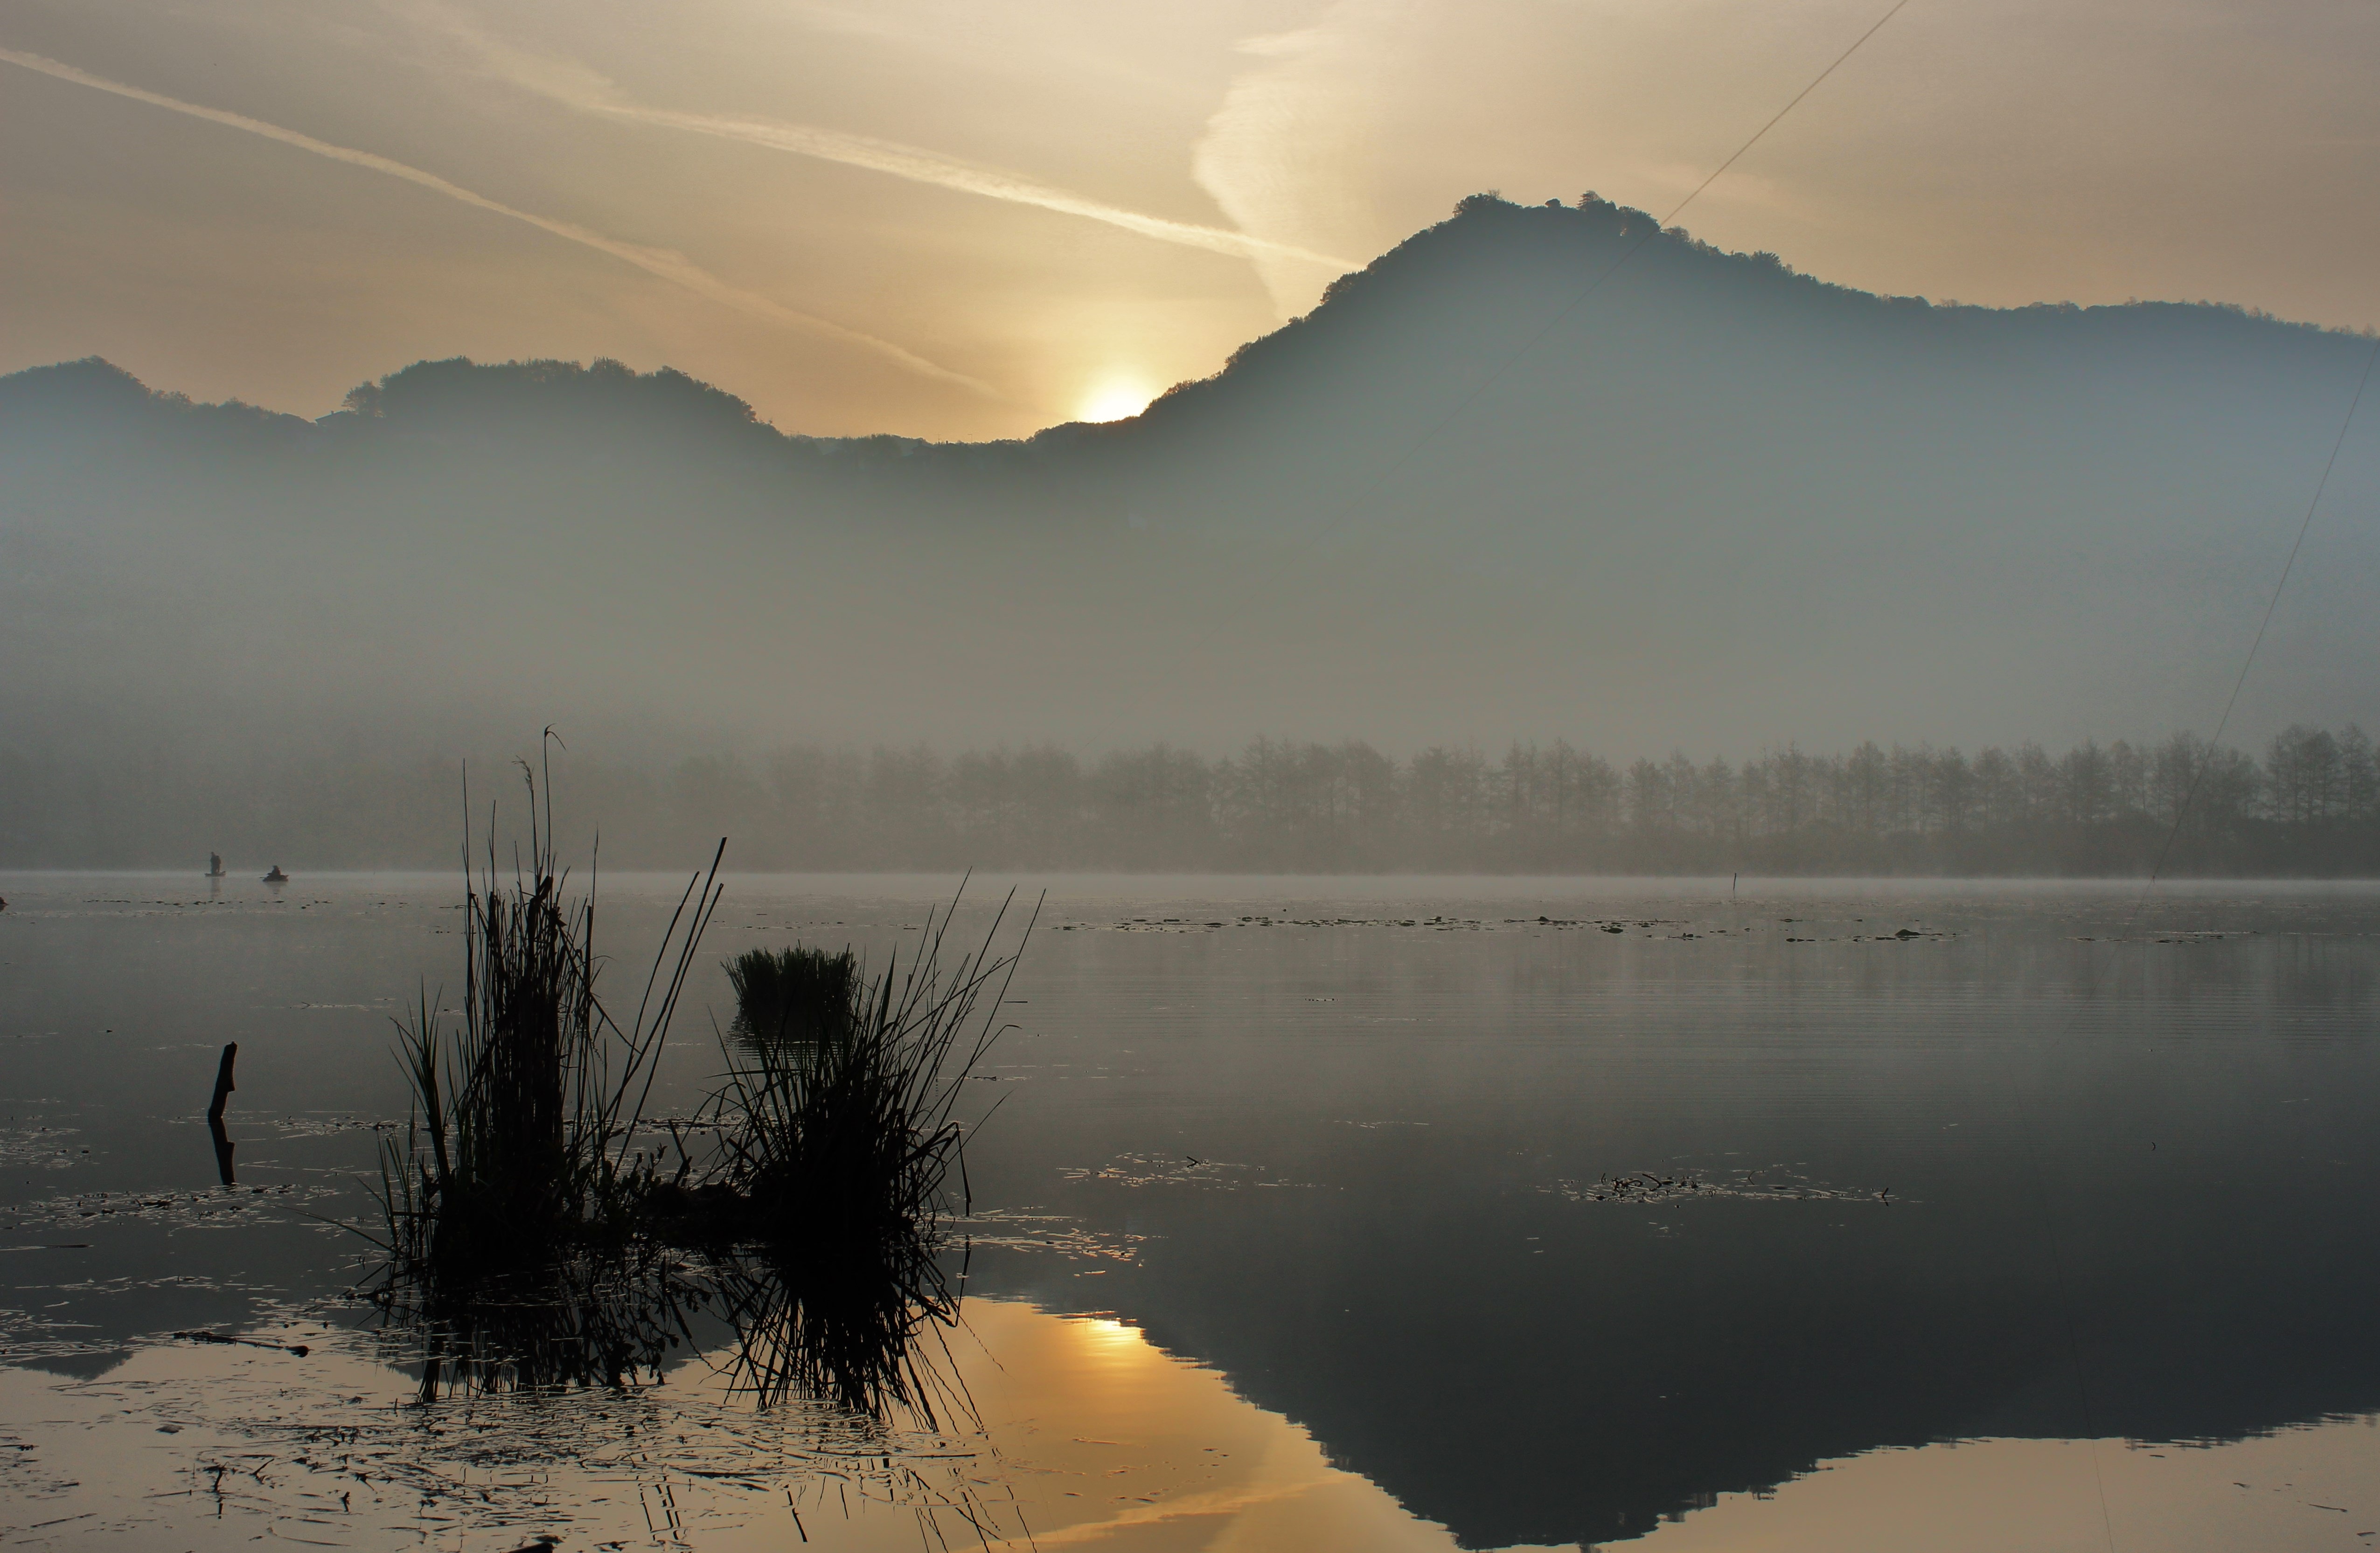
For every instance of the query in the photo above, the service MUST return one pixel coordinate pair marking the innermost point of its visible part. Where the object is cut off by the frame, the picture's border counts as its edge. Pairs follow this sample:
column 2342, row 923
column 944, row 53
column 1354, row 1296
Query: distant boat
column 277, row 876
column 215, row 865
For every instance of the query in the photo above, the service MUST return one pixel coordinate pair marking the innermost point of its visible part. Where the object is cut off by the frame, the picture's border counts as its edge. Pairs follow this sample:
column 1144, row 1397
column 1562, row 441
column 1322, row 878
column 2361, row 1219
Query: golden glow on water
column 1090, row 1438
column 1110, row 1342
column 2302, row 1488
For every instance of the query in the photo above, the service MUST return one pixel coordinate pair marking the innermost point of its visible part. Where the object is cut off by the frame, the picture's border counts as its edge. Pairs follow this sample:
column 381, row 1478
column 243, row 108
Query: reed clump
column 536, row 1240
column 525, row 1113
column 835, row 1124
column 846, row 1143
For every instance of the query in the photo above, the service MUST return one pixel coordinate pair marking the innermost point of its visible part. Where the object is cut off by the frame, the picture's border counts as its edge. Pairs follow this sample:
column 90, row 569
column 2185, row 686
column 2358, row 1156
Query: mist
column 1535, row 475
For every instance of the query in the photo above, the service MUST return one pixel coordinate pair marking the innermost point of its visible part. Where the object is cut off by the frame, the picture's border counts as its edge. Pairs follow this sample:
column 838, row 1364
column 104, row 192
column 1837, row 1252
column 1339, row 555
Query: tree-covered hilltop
column 2311, row 806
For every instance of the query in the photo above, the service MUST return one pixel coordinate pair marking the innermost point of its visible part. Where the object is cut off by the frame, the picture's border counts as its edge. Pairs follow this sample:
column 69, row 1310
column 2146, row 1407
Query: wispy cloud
column 575, row 86
column 664, row 263
column 1285, row 151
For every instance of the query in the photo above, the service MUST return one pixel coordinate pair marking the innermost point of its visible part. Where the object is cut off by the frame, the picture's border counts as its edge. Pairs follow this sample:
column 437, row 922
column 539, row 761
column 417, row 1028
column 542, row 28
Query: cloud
column 1283, row 153
column 575, row 86
column 663, row 263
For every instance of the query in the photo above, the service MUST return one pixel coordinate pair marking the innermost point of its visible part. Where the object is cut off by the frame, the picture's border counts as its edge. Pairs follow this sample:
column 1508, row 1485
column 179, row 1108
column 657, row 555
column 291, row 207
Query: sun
column 1118, row 397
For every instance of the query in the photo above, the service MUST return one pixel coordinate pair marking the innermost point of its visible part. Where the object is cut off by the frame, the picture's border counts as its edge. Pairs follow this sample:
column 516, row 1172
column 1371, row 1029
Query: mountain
column 1539, row 470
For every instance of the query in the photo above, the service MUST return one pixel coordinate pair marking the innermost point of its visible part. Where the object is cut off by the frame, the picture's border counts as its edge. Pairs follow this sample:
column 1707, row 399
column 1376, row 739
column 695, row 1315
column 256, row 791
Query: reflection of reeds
column 800, row 996
column 847, row 1331
column 842, row 1148
column 520, row 1141
column 610, row 1317
column 864, row 1337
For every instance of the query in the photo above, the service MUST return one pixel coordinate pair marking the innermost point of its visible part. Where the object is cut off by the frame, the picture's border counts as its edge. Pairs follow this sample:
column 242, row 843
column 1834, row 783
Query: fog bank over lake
column 2185, row 806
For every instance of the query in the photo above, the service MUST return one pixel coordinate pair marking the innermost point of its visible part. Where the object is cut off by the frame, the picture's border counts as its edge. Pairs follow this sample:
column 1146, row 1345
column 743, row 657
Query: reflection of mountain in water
column 1633, row 1360
column 1579, row 1397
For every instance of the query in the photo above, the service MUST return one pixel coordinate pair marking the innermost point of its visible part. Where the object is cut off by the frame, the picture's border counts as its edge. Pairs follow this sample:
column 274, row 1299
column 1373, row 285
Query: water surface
column 1961, row 1216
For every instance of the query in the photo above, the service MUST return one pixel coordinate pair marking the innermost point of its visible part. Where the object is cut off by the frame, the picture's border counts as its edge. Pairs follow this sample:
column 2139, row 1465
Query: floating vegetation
column 1647, row 1187
column 1062, row 1234
column 1641, row 1186
column 1137, row 1169
column 42, row 1148
column 182, row 1206
column 1435, row 924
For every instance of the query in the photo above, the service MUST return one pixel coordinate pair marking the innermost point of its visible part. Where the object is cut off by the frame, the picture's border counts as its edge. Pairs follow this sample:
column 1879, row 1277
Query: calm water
column 2017, row 1218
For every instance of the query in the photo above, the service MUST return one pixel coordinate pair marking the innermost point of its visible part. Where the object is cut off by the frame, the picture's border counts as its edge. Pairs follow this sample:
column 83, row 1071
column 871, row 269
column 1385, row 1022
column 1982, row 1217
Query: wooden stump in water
column 223, row 1085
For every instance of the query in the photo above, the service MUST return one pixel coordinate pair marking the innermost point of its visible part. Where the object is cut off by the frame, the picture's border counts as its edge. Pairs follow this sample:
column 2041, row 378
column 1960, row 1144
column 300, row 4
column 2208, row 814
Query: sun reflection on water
column 1082, row 1434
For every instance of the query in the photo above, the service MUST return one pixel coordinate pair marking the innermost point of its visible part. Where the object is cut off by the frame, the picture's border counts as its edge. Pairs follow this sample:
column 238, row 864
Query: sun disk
column 1114, row 399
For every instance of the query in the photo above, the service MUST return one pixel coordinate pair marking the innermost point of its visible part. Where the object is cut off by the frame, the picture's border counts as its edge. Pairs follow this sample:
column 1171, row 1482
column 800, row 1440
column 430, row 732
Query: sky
column 965, row 220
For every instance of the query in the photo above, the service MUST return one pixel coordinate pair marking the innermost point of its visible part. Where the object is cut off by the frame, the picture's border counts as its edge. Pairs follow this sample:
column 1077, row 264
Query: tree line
column 2309, row 806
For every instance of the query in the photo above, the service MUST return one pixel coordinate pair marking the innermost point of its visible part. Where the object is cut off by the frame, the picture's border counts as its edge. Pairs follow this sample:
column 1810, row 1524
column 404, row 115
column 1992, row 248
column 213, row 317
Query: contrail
column 575, row 86
column 931, row 167
column 664, row 263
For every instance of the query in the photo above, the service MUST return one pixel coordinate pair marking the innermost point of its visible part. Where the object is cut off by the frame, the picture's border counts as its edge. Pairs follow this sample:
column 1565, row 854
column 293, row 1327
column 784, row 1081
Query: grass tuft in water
column 844, row 1145
column 800, row 996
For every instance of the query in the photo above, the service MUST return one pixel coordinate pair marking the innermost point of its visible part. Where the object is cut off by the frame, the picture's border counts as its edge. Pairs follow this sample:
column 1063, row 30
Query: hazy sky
column 967, row 220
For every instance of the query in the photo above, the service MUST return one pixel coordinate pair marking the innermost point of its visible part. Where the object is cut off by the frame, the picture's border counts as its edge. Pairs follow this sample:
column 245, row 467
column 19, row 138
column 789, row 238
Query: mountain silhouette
column 1538, row 470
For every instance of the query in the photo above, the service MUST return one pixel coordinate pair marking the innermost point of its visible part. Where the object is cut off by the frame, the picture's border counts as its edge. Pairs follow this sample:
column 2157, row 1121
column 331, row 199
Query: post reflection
column 224, row 1147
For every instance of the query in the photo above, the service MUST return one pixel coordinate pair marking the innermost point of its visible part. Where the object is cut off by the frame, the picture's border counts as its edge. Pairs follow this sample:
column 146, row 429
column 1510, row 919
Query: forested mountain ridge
column 1511, row 304
column 1536, row 471
column 1420, row 298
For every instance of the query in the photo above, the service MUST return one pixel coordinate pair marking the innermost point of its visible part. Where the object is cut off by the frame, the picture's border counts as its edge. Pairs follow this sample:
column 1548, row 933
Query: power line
column 2052, row 1235
column 2190, row 794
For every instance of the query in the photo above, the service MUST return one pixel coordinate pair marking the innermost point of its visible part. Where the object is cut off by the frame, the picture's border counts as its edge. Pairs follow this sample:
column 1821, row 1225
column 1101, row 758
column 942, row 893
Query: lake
column 1305, row 1213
